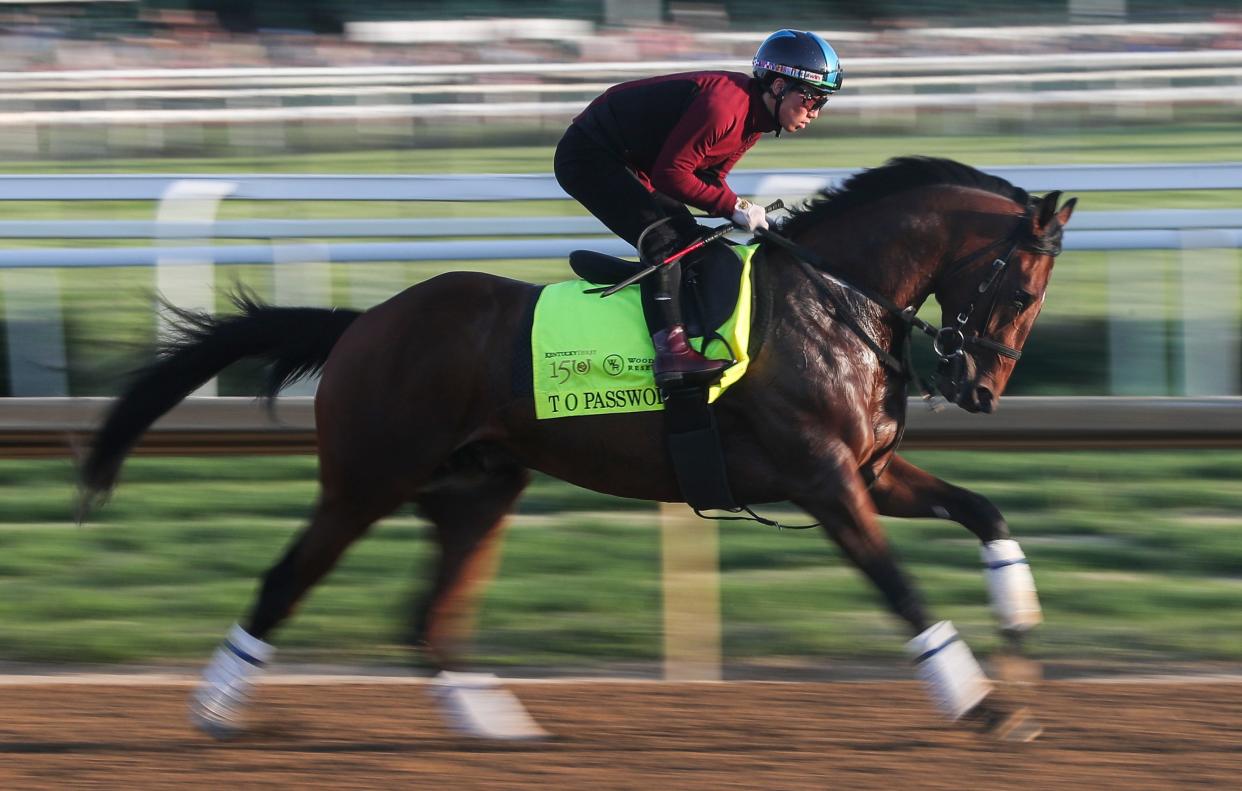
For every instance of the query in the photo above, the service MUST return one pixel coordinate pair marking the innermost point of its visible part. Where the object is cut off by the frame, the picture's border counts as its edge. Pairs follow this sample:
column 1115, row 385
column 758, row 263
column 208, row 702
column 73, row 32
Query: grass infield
column 1136, row 557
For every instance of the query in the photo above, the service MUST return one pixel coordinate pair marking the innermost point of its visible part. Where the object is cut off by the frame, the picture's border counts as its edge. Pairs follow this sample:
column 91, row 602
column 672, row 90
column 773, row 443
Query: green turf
column 1135, row 555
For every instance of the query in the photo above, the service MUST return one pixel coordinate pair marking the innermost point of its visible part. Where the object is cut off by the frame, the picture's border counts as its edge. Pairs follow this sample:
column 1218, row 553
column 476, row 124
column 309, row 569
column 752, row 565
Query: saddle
column 709, row 284
column 709, row 295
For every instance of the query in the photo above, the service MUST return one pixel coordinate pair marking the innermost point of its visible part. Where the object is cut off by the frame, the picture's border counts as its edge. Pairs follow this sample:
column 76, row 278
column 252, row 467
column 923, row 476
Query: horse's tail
column 294, row 342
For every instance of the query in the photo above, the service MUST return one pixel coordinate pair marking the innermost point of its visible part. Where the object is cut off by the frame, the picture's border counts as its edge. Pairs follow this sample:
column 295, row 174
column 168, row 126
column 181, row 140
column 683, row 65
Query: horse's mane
column 896, row 175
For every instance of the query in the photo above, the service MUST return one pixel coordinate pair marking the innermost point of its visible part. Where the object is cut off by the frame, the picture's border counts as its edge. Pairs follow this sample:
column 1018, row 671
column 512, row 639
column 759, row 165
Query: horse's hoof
column 1018, row 727
column 213, row 723
column 475, row 704
column 1002, row 723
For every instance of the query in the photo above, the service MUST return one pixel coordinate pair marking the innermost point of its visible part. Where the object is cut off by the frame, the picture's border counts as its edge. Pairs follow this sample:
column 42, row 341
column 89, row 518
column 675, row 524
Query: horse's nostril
column 986, row 401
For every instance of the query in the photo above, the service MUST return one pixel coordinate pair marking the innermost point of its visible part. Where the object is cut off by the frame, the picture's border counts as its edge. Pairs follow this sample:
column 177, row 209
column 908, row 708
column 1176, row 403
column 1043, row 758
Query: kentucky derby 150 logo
column 564, row 370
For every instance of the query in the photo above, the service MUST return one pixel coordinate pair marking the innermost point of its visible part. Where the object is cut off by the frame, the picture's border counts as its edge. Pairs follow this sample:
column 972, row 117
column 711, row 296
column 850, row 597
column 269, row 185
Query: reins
column 950, row 343
column 815, row 269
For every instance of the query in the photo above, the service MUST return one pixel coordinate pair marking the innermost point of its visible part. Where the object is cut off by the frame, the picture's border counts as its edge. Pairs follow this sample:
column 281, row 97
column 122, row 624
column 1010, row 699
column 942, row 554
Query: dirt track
column 642, row 736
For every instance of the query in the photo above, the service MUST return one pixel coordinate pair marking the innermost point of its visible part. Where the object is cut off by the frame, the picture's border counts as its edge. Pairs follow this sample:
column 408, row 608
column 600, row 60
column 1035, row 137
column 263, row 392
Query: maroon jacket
column 681, row 134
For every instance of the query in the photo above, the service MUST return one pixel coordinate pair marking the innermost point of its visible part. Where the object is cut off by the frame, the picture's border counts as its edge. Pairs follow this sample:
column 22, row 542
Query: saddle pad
column 593, row 356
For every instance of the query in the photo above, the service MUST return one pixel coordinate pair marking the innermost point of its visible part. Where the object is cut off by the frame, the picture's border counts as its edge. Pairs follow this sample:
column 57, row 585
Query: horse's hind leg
column 219, row 702
column 904, row 490
column 468, row 510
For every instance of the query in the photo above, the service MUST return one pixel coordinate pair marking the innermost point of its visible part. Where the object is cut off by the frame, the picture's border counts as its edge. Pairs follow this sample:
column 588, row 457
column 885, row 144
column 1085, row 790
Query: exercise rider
column 644, row 150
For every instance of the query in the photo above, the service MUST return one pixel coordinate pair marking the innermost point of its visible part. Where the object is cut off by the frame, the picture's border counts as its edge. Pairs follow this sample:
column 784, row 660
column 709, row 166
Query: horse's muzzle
column 977, row 399
column 956, row 382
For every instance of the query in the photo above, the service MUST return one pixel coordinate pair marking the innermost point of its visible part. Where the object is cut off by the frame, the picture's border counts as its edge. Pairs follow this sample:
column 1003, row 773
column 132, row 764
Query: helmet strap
column 776, row 108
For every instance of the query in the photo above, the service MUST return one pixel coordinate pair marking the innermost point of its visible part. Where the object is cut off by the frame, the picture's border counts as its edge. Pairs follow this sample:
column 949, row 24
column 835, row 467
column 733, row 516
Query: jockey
column 643, row 150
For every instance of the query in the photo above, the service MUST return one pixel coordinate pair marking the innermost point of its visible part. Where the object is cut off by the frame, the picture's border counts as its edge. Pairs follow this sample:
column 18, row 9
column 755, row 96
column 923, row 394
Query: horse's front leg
column 836, row 495
column 904, row 490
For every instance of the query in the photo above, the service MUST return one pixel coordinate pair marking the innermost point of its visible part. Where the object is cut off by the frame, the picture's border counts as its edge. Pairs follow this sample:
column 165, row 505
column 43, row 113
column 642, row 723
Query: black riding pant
column 602, row 182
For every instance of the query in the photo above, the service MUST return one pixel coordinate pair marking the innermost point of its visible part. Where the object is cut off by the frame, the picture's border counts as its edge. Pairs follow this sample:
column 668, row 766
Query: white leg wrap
column 953, row 677
column 1011, row 586
column 220, row 700
column 477, row 705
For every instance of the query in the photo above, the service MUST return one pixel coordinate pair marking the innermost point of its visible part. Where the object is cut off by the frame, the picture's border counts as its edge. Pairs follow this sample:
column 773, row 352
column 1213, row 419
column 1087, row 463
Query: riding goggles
column 812, row 99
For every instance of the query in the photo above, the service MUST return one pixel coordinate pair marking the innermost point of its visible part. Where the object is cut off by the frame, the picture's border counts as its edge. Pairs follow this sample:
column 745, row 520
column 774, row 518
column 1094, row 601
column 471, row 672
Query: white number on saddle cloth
column 1011, row 586
column 953, row 677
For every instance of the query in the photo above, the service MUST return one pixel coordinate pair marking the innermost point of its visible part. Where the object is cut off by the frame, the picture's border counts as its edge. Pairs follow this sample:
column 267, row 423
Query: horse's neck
column 925, row 228
column 887, row 266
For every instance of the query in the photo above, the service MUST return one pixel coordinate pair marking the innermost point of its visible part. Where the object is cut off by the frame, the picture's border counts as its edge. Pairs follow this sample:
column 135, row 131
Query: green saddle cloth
column 593, row 356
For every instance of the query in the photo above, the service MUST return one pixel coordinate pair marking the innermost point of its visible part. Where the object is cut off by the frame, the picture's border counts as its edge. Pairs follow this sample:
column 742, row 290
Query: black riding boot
column 676, row 362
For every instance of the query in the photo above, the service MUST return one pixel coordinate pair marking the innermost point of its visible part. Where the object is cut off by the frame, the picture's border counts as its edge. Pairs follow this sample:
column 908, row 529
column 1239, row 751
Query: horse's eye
column 1021, row 300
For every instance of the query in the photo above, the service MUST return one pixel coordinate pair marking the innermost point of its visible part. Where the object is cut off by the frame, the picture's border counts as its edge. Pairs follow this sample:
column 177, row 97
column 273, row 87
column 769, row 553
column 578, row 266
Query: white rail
column 180, row 251
column 506, row 187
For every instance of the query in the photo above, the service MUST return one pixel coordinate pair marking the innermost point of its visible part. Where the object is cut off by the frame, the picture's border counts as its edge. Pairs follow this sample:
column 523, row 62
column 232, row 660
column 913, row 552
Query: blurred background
column 335, row 153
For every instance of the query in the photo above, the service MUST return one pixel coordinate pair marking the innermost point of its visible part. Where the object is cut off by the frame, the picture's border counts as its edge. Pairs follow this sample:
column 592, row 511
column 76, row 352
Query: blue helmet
column 800, row 55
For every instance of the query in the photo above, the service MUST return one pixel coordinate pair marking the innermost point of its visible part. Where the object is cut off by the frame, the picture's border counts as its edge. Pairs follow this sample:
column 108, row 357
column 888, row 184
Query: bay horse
column 417, row 404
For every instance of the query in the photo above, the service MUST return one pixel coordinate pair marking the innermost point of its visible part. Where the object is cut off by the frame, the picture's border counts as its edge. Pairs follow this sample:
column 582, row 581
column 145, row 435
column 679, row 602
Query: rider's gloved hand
column 749, row 216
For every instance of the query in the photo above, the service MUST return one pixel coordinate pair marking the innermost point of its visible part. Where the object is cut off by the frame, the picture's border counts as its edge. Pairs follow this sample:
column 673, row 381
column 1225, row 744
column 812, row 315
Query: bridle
column 950, row 343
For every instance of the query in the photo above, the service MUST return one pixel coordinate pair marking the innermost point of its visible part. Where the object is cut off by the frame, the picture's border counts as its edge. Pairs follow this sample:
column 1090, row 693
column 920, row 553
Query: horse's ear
column 1047, row 208
column 1068, row 209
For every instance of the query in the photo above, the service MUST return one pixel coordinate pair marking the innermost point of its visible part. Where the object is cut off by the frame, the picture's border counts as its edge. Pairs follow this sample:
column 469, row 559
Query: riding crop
column 715, row 234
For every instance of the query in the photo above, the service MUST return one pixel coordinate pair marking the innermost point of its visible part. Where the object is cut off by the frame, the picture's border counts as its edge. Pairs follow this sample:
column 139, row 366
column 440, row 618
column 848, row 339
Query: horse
column 416, row 405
